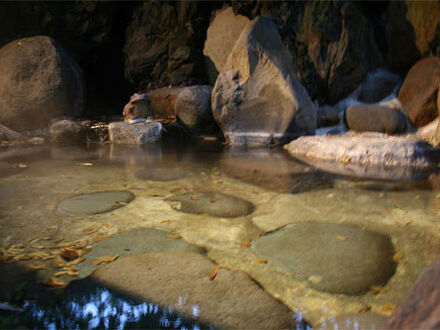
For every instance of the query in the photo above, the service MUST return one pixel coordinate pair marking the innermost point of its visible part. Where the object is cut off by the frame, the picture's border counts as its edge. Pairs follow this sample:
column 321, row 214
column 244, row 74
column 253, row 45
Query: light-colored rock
column 7, row 134
column 331, row 257
column 212, row 203
column 193, row 108
column 138, row 133
column 38, row 81
column 372, row 118
column 139, row 107
column 257, row 100
column 430, row 132
column 182, row 280
column 421, row 309
column 418, row 93
column 67, row 131
column 222, row 34
column 368, row 155
column 357, row 321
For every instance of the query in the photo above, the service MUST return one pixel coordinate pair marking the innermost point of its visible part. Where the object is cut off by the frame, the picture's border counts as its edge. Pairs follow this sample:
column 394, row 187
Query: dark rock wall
column 128, row 46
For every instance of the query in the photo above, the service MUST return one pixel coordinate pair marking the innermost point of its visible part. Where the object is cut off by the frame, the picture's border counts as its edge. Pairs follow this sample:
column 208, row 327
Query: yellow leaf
column 245, row 244
column 55, row 282
column 75, row 262
column 345, row 159
column 261, row 260
column 388, row 307
column 341, row 238
column 214, row 272
column 98, row 239
column 105, row 259
column 35, row 267
column 174, row 236
column 166, row 221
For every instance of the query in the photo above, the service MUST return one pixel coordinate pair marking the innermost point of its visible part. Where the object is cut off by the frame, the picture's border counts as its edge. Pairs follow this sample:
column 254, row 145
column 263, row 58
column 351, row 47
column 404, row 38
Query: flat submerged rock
column 330, row 257
column 368, row 155
column 212, row 203
column 161, row 174
column 95, row 203
column 182, row 280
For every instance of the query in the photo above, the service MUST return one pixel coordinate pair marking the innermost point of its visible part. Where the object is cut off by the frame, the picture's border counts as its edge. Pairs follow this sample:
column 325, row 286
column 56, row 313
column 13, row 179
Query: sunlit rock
column 38, row 81
column 212, row 203
column 368, row 155
column 257, row 100
column 182, row 280
column 94, row 203
column 330, row 257
column 138, row 133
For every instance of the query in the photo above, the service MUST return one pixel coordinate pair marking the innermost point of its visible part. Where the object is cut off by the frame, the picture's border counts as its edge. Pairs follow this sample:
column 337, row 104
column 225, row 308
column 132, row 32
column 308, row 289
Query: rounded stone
column 161, row 174
column 212, row 203
column 181, row 280
column 330, row 257
column 94, row 203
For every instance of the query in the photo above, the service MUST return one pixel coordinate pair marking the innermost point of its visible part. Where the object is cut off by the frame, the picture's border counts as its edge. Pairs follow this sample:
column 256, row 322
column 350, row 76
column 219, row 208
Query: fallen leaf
column 376, row 289
column 212, row 200
column 341, row 238
column 388, row 307
column 60, row 273
column 59, row 240
column 364, row 308
column 100, row 238
column 55, row 282
column 71, row 269
column 345, row 159
column 166, row 221
column 174, row 236
column 399, row 257
column 35, row 267
column 261, row 260
column 214, row 272
column 105, row 259
column 86, row 250
column 245, row 244
column 75, row 262
column 90, row 230
column 209, row 138
column 86, row 164
column 72, row 273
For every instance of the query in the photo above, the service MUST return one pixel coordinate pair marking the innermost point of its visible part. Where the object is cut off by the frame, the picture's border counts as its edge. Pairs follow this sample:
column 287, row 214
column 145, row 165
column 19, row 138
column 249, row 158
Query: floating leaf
column 388, row 307
column 245, row 244
column 340, row 237
column 166, row 221
column 60, row 273
column 174, row 236
column 345, row 159
column 35, row 267
column 86, row 250
column 90, row 230
column 55, row 282
column 100, row 238
column 364, row 308
column 214, row 272
column 75, row 262
column 105, row 259
column 261, row 260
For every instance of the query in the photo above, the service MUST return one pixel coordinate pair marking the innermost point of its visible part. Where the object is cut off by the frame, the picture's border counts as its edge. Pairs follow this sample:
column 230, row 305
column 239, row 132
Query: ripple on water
column 94, row 203
column 330, row 257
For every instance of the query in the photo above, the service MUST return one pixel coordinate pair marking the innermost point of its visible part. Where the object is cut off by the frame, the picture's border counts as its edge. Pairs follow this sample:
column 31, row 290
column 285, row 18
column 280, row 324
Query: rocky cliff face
column 135, row 46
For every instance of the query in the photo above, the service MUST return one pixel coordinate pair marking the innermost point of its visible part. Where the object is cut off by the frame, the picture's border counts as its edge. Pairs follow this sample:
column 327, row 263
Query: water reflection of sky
column 101, row 309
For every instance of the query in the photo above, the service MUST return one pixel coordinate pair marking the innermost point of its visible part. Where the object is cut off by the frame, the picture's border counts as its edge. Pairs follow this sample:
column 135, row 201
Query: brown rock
column 163, row 102
column 7, row 134
column 38, row 81
column 231, row 300
column 222, row 34
column 421, row 309
column 138, row 107
column 418, row 93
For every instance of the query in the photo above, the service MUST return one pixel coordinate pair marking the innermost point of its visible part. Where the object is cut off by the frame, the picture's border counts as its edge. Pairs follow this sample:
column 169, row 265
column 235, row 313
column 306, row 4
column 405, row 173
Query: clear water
column 34, row 180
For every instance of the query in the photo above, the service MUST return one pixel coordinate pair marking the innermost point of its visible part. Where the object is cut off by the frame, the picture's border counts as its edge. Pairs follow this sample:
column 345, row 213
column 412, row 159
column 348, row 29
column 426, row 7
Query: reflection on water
column 92, row 306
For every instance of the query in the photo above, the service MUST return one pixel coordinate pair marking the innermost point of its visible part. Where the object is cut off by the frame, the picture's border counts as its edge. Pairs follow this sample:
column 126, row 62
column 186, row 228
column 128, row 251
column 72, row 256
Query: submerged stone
column 330, row 257
column 133, row 242
column 356, row 321
column 182, row 280
column 7, row 169
column 212, row 203
column 94, row 203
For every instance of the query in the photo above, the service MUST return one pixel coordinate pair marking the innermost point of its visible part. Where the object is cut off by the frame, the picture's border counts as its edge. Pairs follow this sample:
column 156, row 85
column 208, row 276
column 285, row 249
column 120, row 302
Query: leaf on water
column 69, row 254
column 364, row 308
column 35, row 267
column 75, row 262
column 214, row 273
column 55, row 282
column 59, row 240
column 105, row 259
column 86, row 164
column 86, row 250
column 72, row 273
column 399, row 257
column 166, row 221
column 212, row 200
column 71, row 269
column 100, row 238
column 340, row 237
column 194, row 197
column 245, row 244
column 90, row 230
column 261, row 260
column 388, row 307
column 376, row 289
column 174, row 236
column 60, row 273
column 345, row 159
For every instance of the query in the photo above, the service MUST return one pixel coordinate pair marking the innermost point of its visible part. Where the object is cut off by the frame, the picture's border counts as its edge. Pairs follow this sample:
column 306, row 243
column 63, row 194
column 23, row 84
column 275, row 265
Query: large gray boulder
column 38, row 81
column 373, row 118
column 139, row 133
column 257, row 98
column 222, row 34
column 193, row 108
column 368, row 155
column 182, row 280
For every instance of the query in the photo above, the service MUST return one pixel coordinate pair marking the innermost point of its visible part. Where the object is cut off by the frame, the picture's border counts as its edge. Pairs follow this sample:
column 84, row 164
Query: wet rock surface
column 330, row 257
column 7, row 134
column 419, row 90
column 421, row 308
column 230, row 300
column 94, row 203
column 257, row 100
column 161, row 174
column 39, row 81
column 367, row 320
column 372, row 118
column 67, row 132
column 212, row 203
column 368, row 155
column 139, row 133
